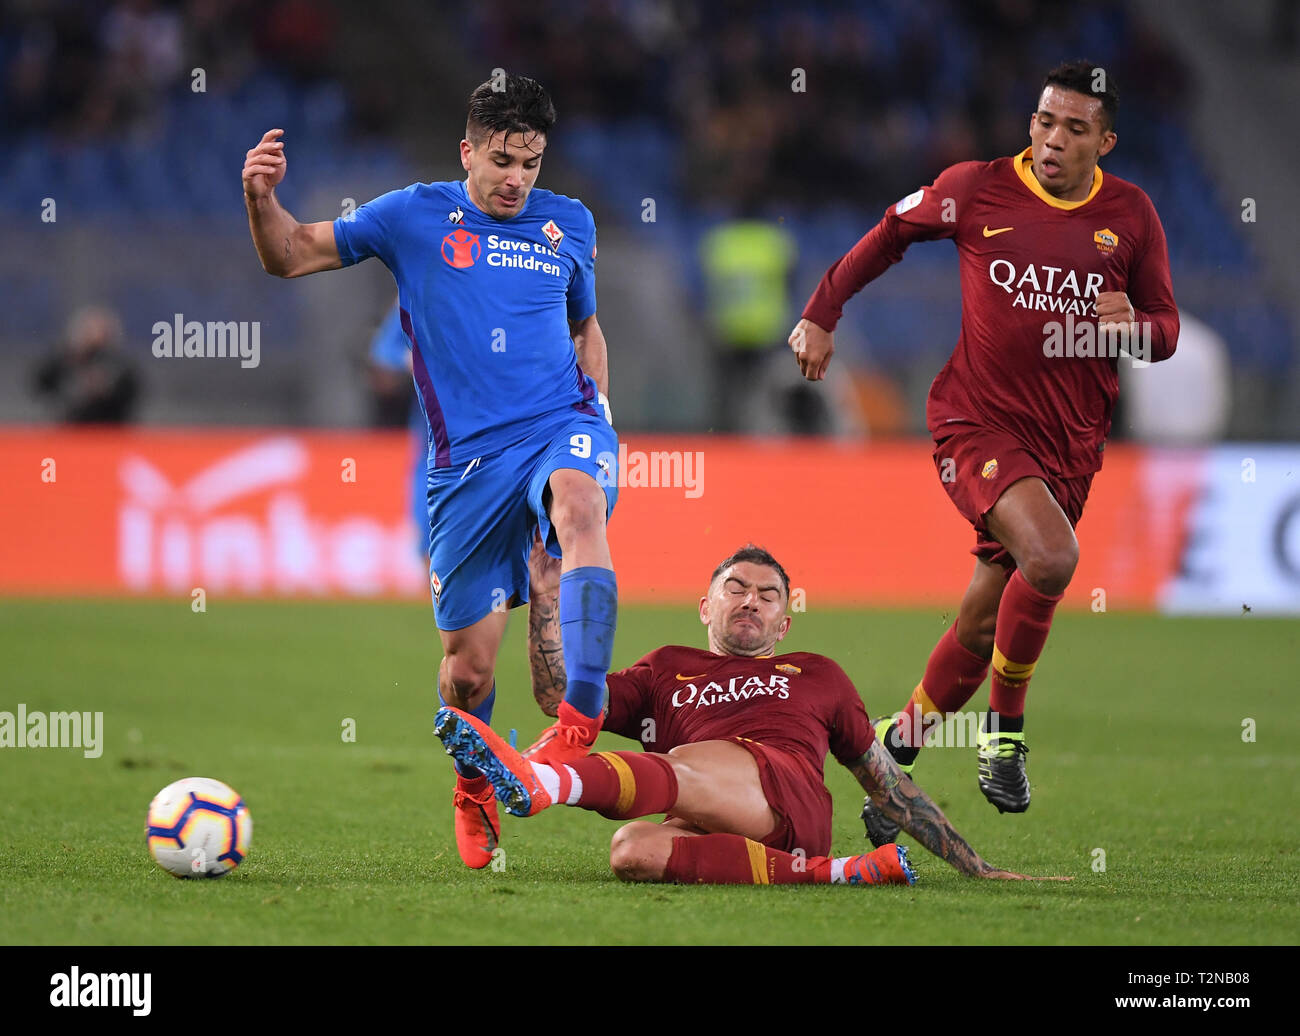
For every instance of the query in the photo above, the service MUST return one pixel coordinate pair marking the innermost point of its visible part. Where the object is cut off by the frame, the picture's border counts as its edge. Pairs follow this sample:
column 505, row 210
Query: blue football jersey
column 485, row 304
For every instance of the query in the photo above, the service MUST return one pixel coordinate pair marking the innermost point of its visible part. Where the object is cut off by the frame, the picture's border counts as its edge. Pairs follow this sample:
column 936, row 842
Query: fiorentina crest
column 553, row 234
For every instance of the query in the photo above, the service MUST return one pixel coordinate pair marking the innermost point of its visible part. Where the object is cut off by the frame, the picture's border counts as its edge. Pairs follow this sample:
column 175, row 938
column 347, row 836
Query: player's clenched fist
column 812, row 349
column 1114, row 311
column 264, row 165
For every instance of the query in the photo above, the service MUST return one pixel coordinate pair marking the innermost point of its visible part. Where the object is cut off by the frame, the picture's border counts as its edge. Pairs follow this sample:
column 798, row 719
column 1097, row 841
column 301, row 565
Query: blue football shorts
column 482, row 514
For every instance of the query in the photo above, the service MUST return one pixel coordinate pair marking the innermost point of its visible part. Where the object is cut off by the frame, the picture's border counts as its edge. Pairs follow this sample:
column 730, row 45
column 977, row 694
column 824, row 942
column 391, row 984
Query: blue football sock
column 483, row 711
column 588, row 614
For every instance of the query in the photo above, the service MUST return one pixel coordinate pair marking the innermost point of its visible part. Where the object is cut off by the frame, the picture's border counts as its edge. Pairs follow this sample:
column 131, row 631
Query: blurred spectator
column 88, row 379
column 820, row 102
column 94, row 71
column 217, row 41
column 814, row 104
column 747, row 265
column 298, row 37
column 54, row 70
column 393, row 404
column 1184, row 401
column 142, row 43
column 388, row 376
column 142, row 52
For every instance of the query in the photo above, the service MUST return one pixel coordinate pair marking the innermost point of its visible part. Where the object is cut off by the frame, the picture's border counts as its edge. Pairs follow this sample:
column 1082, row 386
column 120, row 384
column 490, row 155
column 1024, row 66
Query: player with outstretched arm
column 735, row 739
column 497, row 295
column 1061, row 267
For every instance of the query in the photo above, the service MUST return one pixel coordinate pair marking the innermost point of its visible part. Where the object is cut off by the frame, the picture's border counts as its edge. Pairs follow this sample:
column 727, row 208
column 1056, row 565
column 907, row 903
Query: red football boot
column 478, row 828
column 570, row 737
column 887, row 865
column 473, row 743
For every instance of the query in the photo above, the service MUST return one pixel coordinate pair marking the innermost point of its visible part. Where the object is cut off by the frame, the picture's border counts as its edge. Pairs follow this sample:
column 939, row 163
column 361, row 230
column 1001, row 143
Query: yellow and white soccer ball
column 198, row 828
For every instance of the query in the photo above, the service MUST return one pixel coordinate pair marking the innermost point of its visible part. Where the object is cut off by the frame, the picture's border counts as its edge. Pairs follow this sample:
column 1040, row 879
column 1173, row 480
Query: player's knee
column 579, row 516
column 467, row 676
column 630, row 857
column 1049, row 569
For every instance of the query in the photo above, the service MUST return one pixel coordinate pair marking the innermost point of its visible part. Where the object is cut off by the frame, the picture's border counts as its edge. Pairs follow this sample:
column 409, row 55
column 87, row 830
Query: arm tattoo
column 905, row 803
column 546, row 651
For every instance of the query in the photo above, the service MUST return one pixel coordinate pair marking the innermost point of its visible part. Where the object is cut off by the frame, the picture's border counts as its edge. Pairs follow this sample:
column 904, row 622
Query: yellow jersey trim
column 1024, row 166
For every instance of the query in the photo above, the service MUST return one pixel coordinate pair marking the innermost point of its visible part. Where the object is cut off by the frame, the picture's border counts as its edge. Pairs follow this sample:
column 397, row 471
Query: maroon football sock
column 623, row 785
column 735, row 860
column 952, row 675
column 1024, row 619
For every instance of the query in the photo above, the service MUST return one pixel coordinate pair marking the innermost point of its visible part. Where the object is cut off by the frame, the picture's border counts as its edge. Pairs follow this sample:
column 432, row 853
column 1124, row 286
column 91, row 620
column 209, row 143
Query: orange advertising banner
column 325, row 513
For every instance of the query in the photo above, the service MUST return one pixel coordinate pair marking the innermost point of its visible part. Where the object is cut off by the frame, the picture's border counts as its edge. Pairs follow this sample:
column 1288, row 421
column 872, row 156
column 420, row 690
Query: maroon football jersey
column 1027, row 362
column 801, row 703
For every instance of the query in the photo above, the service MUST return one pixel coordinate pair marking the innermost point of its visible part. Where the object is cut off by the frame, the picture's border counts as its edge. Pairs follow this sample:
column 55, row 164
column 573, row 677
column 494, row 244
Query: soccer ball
column 198, row 828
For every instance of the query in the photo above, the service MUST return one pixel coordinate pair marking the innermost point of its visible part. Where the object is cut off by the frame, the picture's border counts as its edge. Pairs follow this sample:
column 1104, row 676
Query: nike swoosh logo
column 994, row 233
column 696, row 677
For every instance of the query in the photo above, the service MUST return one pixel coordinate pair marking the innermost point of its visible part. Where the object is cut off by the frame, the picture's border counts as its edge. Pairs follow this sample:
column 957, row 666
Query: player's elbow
column 308, row 249
column 268, row 265
column 277, row 269
column 296, row 266
column 1158, row 335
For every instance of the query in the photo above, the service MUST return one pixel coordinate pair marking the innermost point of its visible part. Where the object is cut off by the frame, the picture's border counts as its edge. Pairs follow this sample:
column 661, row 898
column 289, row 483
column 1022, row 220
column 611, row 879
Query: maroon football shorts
column 797, row 796
column 984, row 464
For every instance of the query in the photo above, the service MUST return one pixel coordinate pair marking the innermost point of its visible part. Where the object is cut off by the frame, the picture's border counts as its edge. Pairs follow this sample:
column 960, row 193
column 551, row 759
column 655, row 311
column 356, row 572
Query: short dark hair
column 755, row 556
column 508, row 103
column 1091, row 80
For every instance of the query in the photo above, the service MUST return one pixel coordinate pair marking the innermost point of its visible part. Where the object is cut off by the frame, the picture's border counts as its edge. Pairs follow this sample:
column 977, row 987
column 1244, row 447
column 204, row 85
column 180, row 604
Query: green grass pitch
column 1135, row 726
